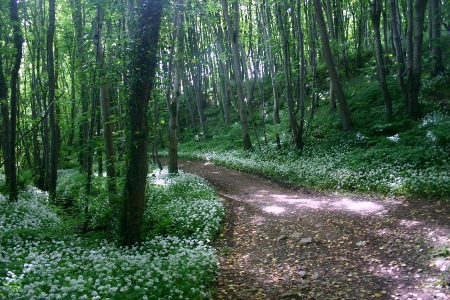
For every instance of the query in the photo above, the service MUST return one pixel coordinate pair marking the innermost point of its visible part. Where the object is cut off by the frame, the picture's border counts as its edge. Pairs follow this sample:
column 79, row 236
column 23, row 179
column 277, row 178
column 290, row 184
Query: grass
column 43, row 257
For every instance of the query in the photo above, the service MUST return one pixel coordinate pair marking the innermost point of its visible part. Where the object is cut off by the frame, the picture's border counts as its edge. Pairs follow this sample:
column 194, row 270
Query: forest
column 103, row 102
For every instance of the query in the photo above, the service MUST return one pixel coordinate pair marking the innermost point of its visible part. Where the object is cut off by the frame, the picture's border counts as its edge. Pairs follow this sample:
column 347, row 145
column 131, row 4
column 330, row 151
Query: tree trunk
column 398, row 49
column 174, row 100
column 224, row 77
column 5, row 122
column 105, row 104
column 415, row 61
column 301, row 75
column 273, row 77
column 332, row 30
column 17, row 40
column 288, row 86
column 233, row 33
column 334, row 75
column 77, row 17
column 51, row 100
column 436, row 48
column 143, row 69
column 375, row 13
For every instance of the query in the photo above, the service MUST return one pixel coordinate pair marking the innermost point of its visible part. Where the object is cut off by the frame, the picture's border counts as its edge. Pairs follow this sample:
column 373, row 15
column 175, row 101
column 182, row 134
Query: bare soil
column 282, row 242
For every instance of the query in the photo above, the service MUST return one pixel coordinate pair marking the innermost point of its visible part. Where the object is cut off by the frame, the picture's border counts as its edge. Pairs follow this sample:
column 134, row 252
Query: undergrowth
column 397, row 157
column 42, row 256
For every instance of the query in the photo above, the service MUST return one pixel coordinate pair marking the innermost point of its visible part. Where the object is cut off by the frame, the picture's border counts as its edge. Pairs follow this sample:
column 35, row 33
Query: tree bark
column 436, row 48
column 395, row 26
column 270, row 56
column 51, row 100
column 174, row 100
column 105, row 104
column 5, row 121
column 287, row 76
column 375, row 13
column 415, row 51
column 17, row 41
column 334, row 75
column 143, row 69
column 233, row 33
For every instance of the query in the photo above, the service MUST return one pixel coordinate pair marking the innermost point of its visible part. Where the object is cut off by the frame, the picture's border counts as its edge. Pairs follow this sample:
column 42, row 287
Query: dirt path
column 284, row 243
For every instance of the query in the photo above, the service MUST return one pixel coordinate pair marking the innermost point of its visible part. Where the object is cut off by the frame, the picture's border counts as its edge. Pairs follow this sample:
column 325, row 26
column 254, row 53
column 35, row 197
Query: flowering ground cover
column 412, row 164
column 41, row 257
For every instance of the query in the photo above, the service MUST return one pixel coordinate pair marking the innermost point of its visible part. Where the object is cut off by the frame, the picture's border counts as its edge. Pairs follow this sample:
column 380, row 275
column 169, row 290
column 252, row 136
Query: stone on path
column 305, row 241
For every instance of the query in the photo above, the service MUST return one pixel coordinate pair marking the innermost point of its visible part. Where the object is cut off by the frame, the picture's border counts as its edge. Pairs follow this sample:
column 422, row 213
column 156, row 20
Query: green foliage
column 72, row 196
column 182, row 205
column 40, row 258
column 400, row 158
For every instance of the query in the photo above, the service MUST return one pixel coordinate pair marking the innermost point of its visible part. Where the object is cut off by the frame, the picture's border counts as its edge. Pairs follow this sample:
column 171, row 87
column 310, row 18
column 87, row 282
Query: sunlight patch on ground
column 274, row 209
column 359, row 206
column 410, row 223
column 298, row 201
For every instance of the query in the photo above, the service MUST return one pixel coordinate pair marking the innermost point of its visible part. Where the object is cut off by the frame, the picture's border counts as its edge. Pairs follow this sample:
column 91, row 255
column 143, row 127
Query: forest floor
column 281, row 242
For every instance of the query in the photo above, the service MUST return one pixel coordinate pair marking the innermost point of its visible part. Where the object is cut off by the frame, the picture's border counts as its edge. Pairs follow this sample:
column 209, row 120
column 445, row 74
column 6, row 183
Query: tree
column 265, row 16
column 105, row 104
column 435, row 37
column 142, row 67
column 175, row 101
column 51, row 100
column 287, row 78
column 14, row 88
column 233, row 35
column 334, row 75
column 414, row 53
column 375, row 13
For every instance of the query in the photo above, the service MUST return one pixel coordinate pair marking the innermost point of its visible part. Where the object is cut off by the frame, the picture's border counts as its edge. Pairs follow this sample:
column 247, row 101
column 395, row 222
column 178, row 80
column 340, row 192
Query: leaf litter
column 282, row 242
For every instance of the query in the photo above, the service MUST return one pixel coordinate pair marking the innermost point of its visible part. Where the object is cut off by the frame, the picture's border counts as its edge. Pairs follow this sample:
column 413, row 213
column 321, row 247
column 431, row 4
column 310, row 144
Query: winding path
column 288, row 243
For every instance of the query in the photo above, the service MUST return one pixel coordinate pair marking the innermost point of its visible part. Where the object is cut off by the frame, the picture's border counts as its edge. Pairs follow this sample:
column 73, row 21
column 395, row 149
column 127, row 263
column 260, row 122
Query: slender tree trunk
column 223, row 75
column 360, row 37
column 301, row 76
column 436, row 48
column 333, row 36
column 415, row 50
column 77, row 17
column 174, row 100
column 395, row 26
column 143, row 69
column 375, row 13
column 334, row 75
column 288, row 86
column 105, row 104
column 5, row 121
column 51, row 100
column 270, row 55
column 233, row 32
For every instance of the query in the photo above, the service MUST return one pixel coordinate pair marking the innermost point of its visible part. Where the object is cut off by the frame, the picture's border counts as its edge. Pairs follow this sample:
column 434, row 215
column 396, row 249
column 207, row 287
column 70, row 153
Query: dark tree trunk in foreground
column 143, row 67
column 18, row 40
column 375, row 13
column 334, row 75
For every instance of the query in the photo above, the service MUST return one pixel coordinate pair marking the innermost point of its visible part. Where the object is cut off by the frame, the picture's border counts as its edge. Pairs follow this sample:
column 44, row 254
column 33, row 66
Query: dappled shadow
column 356, row 247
